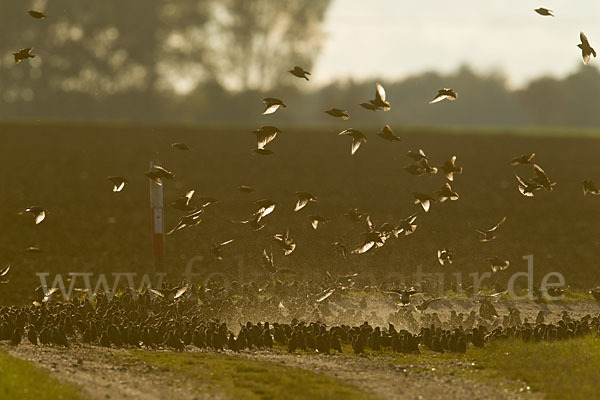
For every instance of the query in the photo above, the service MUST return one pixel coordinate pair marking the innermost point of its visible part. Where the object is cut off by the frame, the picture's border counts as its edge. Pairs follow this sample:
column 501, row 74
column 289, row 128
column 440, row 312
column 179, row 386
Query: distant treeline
column 484, row 99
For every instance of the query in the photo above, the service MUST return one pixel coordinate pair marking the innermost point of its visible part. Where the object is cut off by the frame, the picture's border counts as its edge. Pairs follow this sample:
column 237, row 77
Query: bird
column 23, row 54
column 118, row 183
column 37, row 14
column 265, row 207
column 265, row 135
column 426, row 303
column 372, row 240
column 269, row 261
column 254, row 223
column 590, row 187
column 157, row 173
column 586, row 49
column 33, row 249
column 544, row 11
column 424, row 200
column 357, row 138
column 526, row 187
column 245, row 189
column 523, row 159
column 379, row 101
column 444, row 94
column 404, row 294
column 407, row 226
column 415, row 169
column 340, row 247
column 445, row 256
column 488, row 234
column 354, row 215
column 303, row 199
column 417, row 156
column 38, row 213
column 187, row 221
column 450, row 169
column 180, row 146
column 542, row 179
column 446, row 193
column 182, row 203
column 316, row 220
column 286, row 242
column 3, row 273
column 215, row 249
column 387, row 134
column 338, row 113
column 299, row 72
column 498, row 264
column 272, row 104
column 428, row 169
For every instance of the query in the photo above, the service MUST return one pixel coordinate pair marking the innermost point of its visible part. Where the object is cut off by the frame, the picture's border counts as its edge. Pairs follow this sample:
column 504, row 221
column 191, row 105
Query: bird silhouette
column 544, row 11
column 118, row 183
column 299, row 72
column 23, row 54
column 387, row 134
column 586, row 50
column 444, row 94
column 37, row 14
column 272, row 104
column 338, row 113
column 358, row 138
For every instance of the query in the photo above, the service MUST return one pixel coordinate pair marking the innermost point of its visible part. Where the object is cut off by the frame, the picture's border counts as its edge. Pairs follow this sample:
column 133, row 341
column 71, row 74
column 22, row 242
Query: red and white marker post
column 158, row 224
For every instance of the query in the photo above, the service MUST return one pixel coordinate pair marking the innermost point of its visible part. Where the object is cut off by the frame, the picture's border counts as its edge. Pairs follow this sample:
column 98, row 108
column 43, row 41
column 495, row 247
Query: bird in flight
column 444, row 94
column 182, row 203
column 215, row 249
column 445, row 256
column 265, row 135
column 272, row 104
column 526, row 187
column 23, row 54
column 118, row 183
column 586, row 50
column 387, row 134
column 450, row 169
column 38, row 213
column 299, row 72
column 187, row 221
column 591, row 188
column 3, row 273
column 488, row 234
column 498, row 264
column 286, row 242
column 544, row 11
column 316, row 220
column 303, row 199
column 265, row 207
column 37, row 14
column 245, row 189
column 358, row 138
column 180, row 146
column 424, row 200
column 338, row 113
column 542, row 179
column 157, row 173
column 523, row 159
column 446, row 193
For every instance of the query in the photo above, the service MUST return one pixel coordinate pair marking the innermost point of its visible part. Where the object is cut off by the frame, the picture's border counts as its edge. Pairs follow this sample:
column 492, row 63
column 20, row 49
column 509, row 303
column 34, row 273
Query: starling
column 498, row 264
column 446, row 193
column 542, row 179
column 488, row 234
column 216, row 249
column 187, row 221
column 544, row 11
column 265, row 207
column 265, row 135
column 379, row 100
column 245, row 189
column 445, row 256
column 3, row 273
column 299, row 72
column 158, row 173
column 118, row 183
column 586, row 49
column 523, row 159
column 590, row 187
column 418, row 156
column 286, row 242
column 338, row 113
column 38, row 212
column 180, row 146
column 23, row 54
column 182, row 203
column 387, row 134
column 357, row 138
column 424, row 200
column 36, row 14
column 272, row 104
column 444, row 94
column 526, row 187
column 315, row 220
column 450, row 169
column 303, row 199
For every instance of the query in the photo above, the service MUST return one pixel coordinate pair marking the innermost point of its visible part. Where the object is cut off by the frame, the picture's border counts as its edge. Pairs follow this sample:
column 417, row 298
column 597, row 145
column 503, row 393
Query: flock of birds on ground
column 171, row 317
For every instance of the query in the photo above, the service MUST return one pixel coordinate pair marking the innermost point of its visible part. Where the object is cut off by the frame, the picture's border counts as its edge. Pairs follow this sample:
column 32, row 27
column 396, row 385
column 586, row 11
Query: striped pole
column 158, row 224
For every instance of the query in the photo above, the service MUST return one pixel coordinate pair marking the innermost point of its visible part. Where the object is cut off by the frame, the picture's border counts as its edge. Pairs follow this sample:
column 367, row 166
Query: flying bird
column 182, row 203
column 523, row 159
column 527, row 187
column 245, row 189
column 340, row 248
column 265, row 207
column 180, row 146
column 446, row 193
column 338, row 113
column 23, row 54
column 357, row 138
column 188, row 221
column 387, row 134
column 498, row 264
column 3, row 273
column 265, row 135
column 254, row 223
column 286, row 242
column 450, row 169
column 543, row 179
column 272, row 104
column 158, row 173
column 354, row 215
column 586, row 49
column 299, row 72
column 544, row 11
column 404, row 294
column 316, row 220
column 590, row 187
column 303, row 199
column 444, row 94
column 418, row 156
column 445, row 256
column 379, row 100
column 38, row 213
column 489, row 234
column 215, row 249
column 37, row 14
column 428, row 169
column 424, row 200
column 407, row 226
column 118, row 183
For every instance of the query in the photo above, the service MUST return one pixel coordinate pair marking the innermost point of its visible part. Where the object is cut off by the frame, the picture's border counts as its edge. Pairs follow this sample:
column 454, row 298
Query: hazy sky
column 395, row 38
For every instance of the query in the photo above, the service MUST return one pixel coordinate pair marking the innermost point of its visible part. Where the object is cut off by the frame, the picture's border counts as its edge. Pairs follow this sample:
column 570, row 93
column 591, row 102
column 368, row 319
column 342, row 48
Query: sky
column 392, row 39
